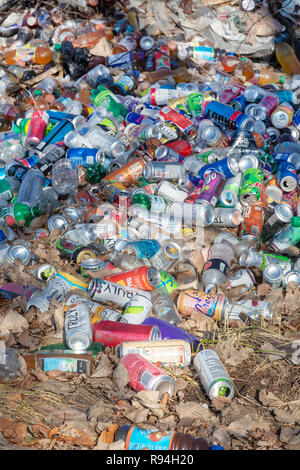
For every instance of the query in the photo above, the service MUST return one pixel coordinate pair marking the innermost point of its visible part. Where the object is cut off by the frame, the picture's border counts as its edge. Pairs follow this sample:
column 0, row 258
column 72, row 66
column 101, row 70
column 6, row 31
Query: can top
column 272, row 272
column 291, row 276
column 153, row 276
column 283, row 212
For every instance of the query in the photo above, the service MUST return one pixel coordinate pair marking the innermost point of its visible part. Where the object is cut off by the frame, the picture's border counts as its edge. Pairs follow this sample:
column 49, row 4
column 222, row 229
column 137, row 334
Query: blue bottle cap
column 216, row 448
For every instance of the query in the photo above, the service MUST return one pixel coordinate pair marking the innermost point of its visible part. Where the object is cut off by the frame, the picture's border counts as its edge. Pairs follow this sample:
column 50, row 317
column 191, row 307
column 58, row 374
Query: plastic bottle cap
column 37, row 92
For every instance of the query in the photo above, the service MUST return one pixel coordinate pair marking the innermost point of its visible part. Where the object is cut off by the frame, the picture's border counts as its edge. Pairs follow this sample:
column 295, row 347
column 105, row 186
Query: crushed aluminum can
column 19, row 251
column 57, row 221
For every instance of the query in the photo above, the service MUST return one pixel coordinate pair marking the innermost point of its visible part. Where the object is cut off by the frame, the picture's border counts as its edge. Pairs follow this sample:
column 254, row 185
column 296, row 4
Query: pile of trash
column 149, row 225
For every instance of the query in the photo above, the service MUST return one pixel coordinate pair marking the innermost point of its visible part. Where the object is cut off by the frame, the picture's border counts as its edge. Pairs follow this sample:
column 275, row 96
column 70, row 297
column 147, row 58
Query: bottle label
column 138, row 439
column 126, row 83
column 64, row 364
column 218, row 264
column 203, row 53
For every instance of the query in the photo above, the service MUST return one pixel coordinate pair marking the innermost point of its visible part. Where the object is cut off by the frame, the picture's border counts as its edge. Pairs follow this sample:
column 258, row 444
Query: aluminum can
column 285, row 238
column 137, row 310
column 183, row 147
column 272, row 275
column 41, row 234
column 186, row 126
column 57, row 221
column 83, row 156
column 273, row 191
column 213, row 376
column 251, row 186
column 253, row 221
column 162, row 60
column 291, row 199
column 45, row 272
column 286, row 175
column 223, row 114
column 78, row 329
column 192, row 214
column 291, row 157
column 146, row 376
column 128, row 173
column 210, row 192
column 276, row 219
column 106, row 291
column 19, row 251
column 291, row 276
column 194, row 301
column 157, row 170
column 242, row 277
column 140, row 248
column 252, row 308
column 72, row 251
column 252, row 161
column 112, row 333
column 282, row 116
column 169, row 331
column 37, row 128
column 229, row 195
column 167, row 154
column 144, row 278
column 213, row 137
column 169, row 352
column 167, row 255
column 228, row 167
column 97, row 312
column 227, row 217
column 239, row 103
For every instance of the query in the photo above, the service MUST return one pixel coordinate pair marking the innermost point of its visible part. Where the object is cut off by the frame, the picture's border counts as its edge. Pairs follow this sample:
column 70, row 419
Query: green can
column 251, row 186
column 194, row 103
column 103, row 96
column 167, row 281
column 267, row 158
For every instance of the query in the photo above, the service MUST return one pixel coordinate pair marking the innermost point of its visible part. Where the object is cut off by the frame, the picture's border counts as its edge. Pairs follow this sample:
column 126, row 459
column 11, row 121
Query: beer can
column 291, row 276
column 186, row 126
column 168, row 352
column 211, row 189
column 97, row 312
column 286, row 175
column 252, row 308
column 19, row 251
column 223, row 114
column 286, row 237
column 41, row 234
column 253, row 220
column 45, row 272
column 78, row 329
column 144, row 278
column 137, row 310
column 167, row 255
column 72, row 251
column 107, row 291
column 282, row 116
column 146, row 376
column 227, row 217
column 272, row 275
column 276, row 219
column 112, row 333
column 213, row 376
column 251, row 186
column 194, row 301
column 242, row 277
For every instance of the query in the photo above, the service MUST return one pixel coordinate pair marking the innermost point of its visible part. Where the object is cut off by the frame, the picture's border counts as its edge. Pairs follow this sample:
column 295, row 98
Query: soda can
column 291, row 199
column 252, row 161
column 223, row 114
column 162, row 60
column 213, row 137
column 128, row 173
column 169, row 252
column 227, row 217
column 286, row 237
column 251, row 186
column 72, row 251
column 276, row 219
column 144, row 278
column 186, row 126
column 19, row 251
column 78, row 328
column 57, row 221
column 213, row 376
column 93, row 265
column 137, row 310
column 291, row 276
column 183, row 147
column 169, row 352
column 169, row 133
column 210, row 192
column 286, row 175
column 158, row 170
column 272, row 275
column 139, row 248
column 239, row 103
column 107, row 291
column 97, row 312
column 194, row 301
column 228, row 167
column 253, row 221
column 229, row 195
column 37, row 128
column 112, row 333
column 44, row 272
column 242, row 277
column 167, row 154
column 252, row 308
column 282, row 116
column 273, row 191
column 291, row 157
column 84, row 156
column 146, row 376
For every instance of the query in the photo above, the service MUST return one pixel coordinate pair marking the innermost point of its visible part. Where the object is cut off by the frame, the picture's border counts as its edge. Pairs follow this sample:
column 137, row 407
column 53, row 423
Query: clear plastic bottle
column 129, row 43
column 64, row 178
column 217, row 267
column 31, row 188
column 164, row 307
column 42, row 55
column 89, row 40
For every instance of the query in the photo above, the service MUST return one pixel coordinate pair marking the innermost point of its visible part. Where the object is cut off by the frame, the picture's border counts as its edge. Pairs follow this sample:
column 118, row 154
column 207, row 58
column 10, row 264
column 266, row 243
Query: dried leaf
column 121, row 376
column 108, row 436
column 12, row 322
column 104, row 367
column 13, row 431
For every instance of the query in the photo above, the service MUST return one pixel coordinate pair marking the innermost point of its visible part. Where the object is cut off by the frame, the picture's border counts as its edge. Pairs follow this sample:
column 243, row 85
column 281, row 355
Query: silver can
column 291, row 276
column 57, row 221
column 272, row 275
column 156, row 171
column 44, row 272
column 170, row 192
column 169, row 252
column 200, row 215
column 78, row 327
column 137, row 310
column 19, row 251
column 165, row 153
column 227, row 217
column 213, row 376
column 253, row 308
column 242, row 277
column 107, row 291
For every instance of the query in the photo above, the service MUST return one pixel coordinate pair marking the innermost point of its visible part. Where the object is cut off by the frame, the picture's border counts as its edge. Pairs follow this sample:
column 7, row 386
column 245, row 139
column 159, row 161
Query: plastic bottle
column 244, row 70
column 287, row 58
column 89, row 40
column 268, row 76
column 38, row 55
column 31, row 188
column 126, row 83
column 9, row 364
column 64, row 178
column 229, row 62
column 154, row 439
column 129, row 43
column 216, row 269
column 164, row 307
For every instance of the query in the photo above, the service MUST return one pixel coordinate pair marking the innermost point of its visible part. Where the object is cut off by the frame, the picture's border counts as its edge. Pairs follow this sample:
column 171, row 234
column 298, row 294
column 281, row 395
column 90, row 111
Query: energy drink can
column 111, row 333
column 183, row 147
column 137, row 310
column 211, row 189
column 286, row 175
column 272, row 275
column 253, row 221
column 213, row 376
column 168, row 352
column 106, row 291
column 146, row 376
column 144, row 278
column 73, row 252
column 128, row 173
column 276, row 219
column 251, row 186
column 78, row 329
column 194, row 301
column 223, row 114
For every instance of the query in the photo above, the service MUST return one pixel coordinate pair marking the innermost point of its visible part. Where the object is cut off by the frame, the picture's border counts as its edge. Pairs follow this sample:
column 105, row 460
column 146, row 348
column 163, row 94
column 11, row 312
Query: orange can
column 253, row 220
column 128, row 173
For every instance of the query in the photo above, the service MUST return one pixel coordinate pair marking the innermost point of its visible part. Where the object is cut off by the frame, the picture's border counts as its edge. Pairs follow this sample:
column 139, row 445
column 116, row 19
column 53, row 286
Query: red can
column 253, row 220
column 231, row 92
column 146, row 376
column 183, row 147
column 112, row 333
column 37, row 127
column 144, row 278
column 185, row 125
column 162, row 58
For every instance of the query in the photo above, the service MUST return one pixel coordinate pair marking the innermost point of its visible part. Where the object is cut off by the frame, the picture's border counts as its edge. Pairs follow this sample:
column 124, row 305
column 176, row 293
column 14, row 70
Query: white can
column 172, row 351
column 137, row 310
column 78, row 328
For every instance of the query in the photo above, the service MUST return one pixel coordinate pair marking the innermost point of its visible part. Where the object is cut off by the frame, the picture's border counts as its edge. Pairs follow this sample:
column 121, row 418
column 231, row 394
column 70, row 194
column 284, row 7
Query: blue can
column 83, row 156
column 56, row 135
column 285, row 96
column 226, row 115
column 228, row 167
column 296, row 119
column 136, row 118
column 286, row 175
column 239, row 103
column 3, row 236
column 144, row 248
